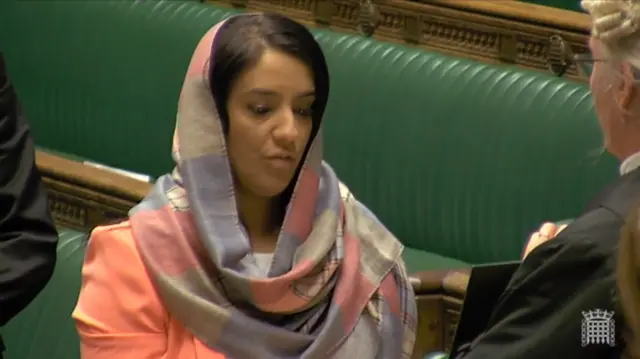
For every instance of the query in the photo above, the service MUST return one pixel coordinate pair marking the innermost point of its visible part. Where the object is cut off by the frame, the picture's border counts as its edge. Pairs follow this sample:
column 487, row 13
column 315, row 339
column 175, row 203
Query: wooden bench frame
column 503, row 32
column 83, row 197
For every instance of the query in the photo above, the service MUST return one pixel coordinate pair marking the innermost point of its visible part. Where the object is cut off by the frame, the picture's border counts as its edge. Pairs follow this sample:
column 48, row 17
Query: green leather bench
column 44, row 329
column 461, row 160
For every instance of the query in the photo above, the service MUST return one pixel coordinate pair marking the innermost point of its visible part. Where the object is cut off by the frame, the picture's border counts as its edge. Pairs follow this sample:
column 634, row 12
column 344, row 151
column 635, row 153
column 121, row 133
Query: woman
column 548, row 307
column 251, row 248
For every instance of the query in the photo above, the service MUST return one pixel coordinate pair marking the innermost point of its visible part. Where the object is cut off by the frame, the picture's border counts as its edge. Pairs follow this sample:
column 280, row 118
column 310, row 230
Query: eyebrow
column 265, row 92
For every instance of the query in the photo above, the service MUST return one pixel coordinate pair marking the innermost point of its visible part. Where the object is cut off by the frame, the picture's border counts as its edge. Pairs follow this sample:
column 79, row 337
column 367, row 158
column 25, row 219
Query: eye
column 260, row 110
column 304, row 112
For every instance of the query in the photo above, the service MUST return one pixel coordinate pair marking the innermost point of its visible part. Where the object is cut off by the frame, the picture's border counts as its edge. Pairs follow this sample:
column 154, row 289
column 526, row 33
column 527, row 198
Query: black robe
column 554, row 296
column 27, row 232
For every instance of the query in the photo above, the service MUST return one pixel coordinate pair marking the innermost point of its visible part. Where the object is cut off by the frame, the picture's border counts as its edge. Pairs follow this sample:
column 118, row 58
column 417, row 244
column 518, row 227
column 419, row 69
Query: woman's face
column 270, row 123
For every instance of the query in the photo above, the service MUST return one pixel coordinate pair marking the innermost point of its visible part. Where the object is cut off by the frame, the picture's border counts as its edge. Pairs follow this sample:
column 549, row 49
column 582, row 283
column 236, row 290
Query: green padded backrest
column 459, row 157
column 44, row 329
column 454, row 156
column 101, row 79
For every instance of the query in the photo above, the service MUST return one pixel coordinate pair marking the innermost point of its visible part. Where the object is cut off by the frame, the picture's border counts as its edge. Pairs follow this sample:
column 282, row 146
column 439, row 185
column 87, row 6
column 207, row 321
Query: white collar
column 631, row 163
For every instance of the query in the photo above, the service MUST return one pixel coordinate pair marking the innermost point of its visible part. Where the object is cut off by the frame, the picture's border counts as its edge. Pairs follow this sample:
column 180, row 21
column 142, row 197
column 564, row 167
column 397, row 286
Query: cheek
column 602, row 96
column 242, row 140
column 596, row 82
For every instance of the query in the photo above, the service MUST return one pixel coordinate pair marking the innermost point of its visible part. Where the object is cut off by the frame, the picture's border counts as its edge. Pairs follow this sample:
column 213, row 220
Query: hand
column 546, row 232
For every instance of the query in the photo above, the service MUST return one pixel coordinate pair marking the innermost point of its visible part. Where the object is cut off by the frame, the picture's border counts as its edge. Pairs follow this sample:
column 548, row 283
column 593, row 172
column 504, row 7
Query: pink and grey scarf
column 337, row 287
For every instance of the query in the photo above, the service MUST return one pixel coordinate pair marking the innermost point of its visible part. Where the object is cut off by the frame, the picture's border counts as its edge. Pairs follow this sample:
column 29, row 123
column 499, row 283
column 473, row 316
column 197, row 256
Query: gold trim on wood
column 509, row 32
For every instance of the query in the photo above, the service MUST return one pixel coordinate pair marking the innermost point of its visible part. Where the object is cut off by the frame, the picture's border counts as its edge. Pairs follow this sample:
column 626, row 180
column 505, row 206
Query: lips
column 281, row 161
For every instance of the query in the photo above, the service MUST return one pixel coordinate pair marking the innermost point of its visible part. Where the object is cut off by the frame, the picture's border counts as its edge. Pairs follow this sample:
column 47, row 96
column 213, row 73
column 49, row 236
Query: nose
column 286, row 131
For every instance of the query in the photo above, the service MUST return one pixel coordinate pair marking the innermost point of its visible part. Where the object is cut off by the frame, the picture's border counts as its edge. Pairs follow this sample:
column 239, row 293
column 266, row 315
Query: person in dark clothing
column 544, row 311
column 563, row 301
column 27, row 232
column 628, row 277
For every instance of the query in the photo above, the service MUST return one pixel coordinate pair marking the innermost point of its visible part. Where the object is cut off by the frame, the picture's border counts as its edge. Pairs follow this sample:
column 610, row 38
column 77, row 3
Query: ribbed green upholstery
column 95, row 75
column 460, row 158
column 44, row 329
column 457, row 158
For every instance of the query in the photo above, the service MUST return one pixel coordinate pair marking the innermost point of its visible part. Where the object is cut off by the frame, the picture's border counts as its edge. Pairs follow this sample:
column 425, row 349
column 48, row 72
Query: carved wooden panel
column 82, row 197
column 78, row 208
column 429, row 336
column 438, row 316
column 451, row 315
column 67, row 210
column 509, row 32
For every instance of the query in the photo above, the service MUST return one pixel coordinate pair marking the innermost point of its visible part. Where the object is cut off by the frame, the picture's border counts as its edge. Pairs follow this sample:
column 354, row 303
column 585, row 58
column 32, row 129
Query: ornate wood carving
column 369, row 17
column 439, row 297
column 511, row 32
column 82, row 197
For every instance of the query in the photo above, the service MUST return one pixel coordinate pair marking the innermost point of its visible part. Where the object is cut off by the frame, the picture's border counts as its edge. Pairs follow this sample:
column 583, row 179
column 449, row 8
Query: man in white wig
column 563, row 301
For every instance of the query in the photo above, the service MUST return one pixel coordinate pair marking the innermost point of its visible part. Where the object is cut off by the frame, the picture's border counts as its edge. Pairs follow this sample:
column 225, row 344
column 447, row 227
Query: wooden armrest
column 448, row 282
column 105, row 181
column 82, row 196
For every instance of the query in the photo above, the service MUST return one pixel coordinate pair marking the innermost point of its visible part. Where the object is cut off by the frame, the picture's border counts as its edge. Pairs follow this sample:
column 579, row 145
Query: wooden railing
column 83, row 197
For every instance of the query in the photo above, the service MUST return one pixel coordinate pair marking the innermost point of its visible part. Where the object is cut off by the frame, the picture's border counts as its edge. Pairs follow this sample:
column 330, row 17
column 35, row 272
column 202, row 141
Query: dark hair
column 240, row 43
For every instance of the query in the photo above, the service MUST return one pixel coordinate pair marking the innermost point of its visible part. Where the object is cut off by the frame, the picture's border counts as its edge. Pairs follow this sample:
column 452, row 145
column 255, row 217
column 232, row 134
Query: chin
column 270, row 188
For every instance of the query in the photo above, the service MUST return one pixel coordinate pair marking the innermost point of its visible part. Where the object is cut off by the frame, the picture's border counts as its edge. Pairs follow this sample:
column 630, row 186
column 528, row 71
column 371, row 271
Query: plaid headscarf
column 337, row 287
